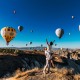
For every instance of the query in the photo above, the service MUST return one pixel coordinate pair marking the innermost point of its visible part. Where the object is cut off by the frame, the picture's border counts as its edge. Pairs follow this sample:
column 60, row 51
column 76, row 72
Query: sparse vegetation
column 65, row 68
column 36, row 74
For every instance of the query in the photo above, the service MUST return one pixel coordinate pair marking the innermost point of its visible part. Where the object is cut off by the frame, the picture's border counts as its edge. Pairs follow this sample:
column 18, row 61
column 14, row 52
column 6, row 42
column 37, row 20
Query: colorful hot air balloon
column 79, row 27
column 59, row 32
column 8, row 33
column 20, row 28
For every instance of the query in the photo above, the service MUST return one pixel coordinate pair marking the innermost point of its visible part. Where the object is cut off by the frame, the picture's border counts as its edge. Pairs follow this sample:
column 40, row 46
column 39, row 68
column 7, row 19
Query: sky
column 43, row 17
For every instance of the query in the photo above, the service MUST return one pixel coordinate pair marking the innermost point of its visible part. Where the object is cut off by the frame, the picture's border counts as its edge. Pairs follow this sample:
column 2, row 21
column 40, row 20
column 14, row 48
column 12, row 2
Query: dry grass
column 20, row 74
column 36, row 74
column 77, row 77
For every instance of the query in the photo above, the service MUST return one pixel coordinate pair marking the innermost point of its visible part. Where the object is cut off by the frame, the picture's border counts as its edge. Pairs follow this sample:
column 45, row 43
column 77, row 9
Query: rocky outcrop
column 25, row 61
column 9, row 64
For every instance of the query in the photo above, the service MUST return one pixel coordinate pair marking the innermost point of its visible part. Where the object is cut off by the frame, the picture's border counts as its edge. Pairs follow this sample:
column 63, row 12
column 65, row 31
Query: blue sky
column 43, row 17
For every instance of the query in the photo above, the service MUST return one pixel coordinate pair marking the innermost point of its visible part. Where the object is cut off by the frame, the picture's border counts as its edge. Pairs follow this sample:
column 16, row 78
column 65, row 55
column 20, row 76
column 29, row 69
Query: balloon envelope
column 72, row 17
column 69, row 33
column 26, row 44
column 41, row 45
column 79, row 27
column 59, row 32
column 8, row 33
column 31, row 31
column 14, row 11
column 20, row 28
column 55, row 44
column 30, row 42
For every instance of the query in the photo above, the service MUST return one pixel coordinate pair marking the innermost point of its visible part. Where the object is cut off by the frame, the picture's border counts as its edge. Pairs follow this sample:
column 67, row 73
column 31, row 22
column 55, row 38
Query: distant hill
column 28, row 48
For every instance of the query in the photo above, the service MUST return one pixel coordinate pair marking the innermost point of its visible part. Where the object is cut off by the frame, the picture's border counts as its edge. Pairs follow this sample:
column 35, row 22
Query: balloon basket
column 7, row 44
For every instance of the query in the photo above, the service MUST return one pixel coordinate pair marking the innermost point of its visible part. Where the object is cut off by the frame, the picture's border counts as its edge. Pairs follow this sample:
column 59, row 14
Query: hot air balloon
column 20, row 28
column 69, row 33
column 31, row 31
column 55, row 44
column 59, row 32
column 79, row 27
column 72, row 17
column 14, row 11
column 41, row 45
column 8, row 33
column 26, row 44
column 30, row 42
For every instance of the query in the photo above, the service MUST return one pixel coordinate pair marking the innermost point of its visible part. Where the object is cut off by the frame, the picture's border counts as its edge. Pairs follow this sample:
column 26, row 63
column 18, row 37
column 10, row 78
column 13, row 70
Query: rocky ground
column 37, row 74
column 28, row 65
